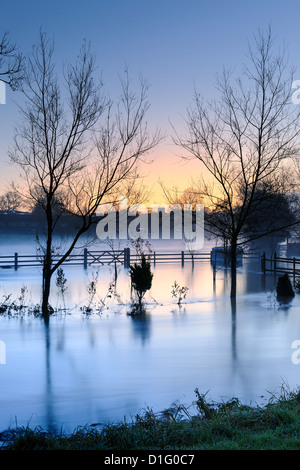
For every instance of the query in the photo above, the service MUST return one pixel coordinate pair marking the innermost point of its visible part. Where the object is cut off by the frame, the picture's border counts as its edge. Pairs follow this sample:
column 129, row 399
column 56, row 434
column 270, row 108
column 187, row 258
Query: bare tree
column 65, row 150
column 136, row 191
column 10, row 201
column 11, row 62
column 243, row 138
column 190, row 195
column 132, row 190
column 272, row 217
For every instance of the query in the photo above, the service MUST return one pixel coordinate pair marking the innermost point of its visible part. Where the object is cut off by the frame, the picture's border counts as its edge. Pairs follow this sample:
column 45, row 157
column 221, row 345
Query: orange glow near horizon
column 172, row 171
column 163, row 165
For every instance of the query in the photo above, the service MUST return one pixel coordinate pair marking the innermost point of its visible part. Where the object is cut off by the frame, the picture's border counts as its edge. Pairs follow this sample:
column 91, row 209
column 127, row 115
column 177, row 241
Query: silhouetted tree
column 62, row 148
column 10, row 201
column 270, row 214
column 141, row 278
column 242, row 138
column 284, row 288
column 37, row 202
column 190, row 195
column 271, row 218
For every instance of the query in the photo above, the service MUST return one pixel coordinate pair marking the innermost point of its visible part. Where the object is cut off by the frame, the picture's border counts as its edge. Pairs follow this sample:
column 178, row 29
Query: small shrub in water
column 92, row 291
column 284, row 287
column 141, row 278
column 179, row 292
column 61, row 280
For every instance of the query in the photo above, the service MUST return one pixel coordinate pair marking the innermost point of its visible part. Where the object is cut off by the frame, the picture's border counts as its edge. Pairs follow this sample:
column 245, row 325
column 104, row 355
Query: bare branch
column 11, row 63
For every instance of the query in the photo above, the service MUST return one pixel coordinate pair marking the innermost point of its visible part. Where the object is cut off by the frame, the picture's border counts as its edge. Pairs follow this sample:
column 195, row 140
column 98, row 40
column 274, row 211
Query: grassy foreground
column 225, row 426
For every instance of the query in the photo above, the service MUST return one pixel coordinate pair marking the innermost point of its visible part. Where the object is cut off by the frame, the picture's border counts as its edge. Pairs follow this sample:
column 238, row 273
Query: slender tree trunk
column 46, row 291
column 47, row 267
column 233, row 327
column 233, row 254
column 140, row 302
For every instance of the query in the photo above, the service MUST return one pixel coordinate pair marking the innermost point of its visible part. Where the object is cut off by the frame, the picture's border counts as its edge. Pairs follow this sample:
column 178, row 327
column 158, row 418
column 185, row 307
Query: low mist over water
column 84, row 369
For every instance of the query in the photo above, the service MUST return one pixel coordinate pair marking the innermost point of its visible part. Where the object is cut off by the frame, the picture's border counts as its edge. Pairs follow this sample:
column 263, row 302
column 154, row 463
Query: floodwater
column 93, row 369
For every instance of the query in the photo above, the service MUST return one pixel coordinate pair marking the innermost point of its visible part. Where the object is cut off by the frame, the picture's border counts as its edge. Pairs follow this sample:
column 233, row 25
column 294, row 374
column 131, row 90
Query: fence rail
column 106, row 257
column 277, row 264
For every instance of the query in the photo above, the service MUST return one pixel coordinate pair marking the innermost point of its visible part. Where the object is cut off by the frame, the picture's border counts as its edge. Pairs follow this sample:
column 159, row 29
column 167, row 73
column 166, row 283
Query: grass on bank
column 225, row 426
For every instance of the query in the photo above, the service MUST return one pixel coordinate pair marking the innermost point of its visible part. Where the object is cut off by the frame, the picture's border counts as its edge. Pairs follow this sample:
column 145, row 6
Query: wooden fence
column 279, row 265
column 106, row 257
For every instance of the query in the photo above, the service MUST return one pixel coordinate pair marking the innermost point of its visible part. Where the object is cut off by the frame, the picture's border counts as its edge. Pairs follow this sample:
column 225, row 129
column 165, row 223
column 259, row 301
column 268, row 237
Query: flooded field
column 86, row 369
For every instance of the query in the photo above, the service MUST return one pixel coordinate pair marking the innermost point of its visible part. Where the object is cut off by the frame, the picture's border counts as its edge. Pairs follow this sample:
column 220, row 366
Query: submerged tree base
column 225, row 426
column 137, row 309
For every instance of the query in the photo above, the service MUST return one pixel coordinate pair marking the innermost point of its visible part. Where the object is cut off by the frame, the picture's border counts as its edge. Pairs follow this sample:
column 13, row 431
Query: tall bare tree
column 243, row 137
column 63, row 148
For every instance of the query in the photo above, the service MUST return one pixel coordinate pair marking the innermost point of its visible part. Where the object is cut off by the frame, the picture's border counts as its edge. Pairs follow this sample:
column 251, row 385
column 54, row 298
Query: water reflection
column 48, row 389
column 141, row 326
column 233, row 328
column 77, row 370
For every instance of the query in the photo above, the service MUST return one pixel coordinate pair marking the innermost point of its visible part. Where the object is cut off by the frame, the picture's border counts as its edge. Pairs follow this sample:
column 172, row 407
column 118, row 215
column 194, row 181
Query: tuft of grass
column 223, row 426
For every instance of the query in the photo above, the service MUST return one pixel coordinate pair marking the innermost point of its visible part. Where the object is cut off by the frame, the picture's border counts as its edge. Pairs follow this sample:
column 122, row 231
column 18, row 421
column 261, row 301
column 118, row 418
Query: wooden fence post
column 214, row 276
column 294, row 270
column 126, row 257
column 263, row 262
column 16, row 261
column 85, row 255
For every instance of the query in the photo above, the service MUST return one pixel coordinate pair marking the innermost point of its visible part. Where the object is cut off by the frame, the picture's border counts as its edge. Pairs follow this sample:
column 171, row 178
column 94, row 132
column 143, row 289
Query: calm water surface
column 81, row 370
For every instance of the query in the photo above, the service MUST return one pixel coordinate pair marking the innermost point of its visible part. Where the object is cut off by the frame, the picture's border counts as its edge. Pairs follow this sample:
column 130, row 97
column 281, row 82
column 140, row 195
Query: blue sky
column 174, row 44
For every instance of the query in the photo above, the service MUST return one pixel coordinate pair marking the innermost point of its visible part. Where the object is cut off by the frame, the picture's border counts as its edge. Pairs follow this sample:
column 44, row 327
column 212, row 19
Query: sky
column 176, row 45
